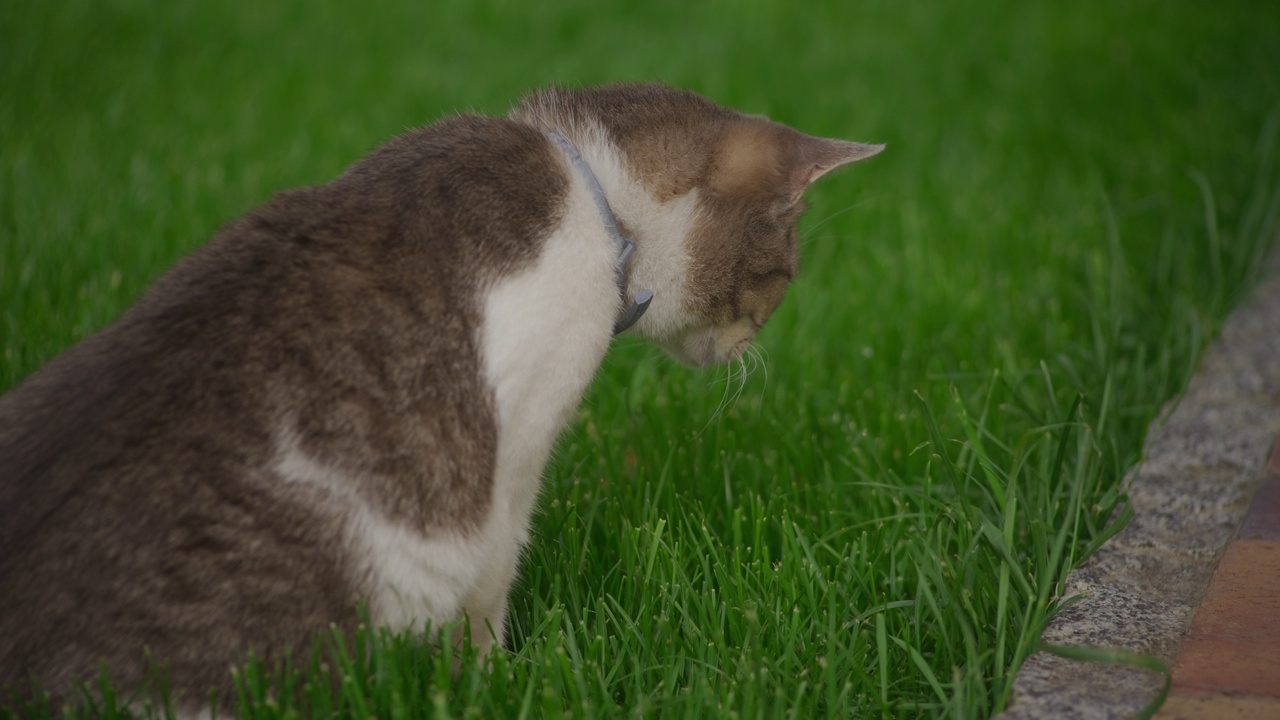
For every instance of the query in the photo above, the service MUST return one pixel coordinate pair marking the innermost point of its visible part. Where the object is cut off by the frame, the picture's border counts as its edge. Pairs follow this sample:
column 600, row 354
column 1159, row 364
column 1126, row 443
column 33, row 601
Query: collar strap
column 625, row 245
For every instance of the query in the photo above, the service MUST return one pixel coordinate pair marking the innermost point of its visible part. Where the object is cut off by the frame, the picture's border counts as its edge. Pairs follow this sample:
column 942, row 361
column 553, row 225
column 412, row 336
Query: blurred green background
column 988, row 314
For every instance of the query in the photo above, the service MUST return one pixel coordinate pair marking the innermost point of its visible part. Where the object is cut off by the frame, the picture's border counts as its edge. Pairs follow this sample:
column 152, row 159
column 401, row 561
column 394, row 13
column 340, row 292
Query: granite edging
column 1204, row 460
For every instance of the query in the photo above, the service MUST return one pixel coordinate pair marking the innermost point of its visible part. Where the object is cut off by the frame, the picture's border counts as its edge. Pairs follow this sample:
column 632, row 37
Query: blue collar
column 626, row 246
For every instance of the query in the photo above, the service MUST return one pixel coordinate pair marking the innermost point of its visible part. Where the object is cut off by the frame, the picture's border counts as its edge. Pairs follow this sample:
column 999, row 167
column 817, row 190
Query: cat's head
column 711, row 197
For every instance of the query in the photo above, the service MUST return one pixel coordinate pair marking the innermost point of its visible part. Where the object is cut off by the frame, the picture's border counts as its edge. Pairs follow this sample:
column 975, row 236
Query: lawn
column 875, row 521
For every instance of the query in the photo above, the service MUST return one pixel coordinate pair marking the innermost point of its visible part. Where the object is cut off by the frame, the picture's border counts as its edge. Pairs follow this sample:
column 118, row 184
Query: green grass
column 988, row 315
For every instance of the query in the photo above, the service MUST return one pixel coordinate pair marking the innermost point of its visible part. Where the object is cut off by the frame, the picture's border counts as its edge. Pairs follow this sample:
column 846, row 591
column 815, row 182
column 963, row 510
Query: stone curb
column 1203, row 463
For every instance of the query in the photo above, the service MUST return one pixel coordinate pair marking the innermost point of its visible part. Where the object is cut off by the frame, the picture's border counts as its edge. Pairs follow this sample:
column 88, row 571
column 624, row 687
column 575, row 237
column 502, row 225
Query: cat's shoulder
column 466, row 153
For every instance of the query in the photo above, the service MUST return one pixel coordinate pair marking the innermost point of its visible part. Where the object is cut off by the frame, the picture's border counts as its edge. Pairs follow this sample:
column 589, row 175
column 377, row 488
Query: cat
column 348, row 396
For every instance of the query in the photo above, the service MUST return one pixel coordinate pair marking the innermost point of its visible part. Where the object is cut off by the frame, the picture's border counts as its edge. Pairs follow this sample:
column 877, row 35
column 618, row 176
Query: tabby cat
column 348, row 396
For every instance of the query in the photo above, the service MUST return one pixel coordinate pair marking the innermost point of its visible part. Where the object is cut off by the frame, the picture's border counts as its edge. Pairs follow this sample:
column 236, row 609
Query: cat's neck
column 659, row 229
column 633, row 305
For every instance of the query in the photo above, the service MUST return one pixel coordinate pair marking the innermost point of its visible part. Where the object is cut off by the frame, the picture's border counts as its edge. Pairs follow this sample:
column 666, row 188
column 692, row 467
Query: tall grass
column 876, row 522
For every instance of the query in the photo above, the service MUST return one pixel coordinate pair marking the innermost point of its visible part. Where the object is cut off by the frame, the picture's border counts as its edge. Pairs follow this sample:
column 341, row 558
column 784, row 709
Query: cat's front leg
column 486, row 605
column 485, row 629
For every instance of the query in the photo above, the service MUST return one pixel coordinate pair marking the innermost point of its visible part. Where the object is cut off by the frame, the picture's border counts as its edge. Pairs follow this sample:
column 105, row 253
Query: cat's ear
column 758, row 155
column 812, row 157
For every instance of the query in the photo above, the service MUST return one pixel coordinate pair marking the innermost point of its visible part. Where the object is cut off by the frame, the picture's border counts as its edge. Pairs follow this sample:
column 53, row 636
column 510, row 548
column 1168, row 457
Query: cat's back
column 425, row 222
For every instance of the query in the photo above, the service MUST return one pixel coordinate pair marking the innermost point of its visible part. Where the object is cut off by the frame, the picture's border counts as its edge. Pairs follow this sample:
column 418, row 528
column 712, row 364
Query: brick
column 1234, row 642
column 1218, row 707
column 1262, row 521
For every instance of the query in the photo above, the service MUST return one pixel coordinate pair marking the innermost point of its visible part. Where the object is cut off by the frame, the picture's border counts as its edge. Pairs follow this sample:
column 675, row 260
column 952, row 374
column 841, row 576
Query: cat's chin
column 710, row 346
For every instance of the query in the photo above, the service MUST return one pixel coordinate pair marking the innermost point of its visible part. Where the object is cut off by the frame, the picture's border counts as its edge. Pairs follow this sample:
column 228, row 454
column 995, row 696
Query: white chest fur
column 544, row 333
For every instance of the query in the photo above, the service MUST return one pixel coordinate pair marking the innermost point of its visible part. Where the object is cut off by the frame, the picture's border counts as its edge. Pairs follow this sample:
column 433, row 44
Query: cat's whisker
column 741, row 367
column 814, row 227
column 830, row 238
column 742, row 381
column 761, row 356
column 757, row 354
column 745, row 363
column 724, row 400
column 735, row 380
column 807, row 236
